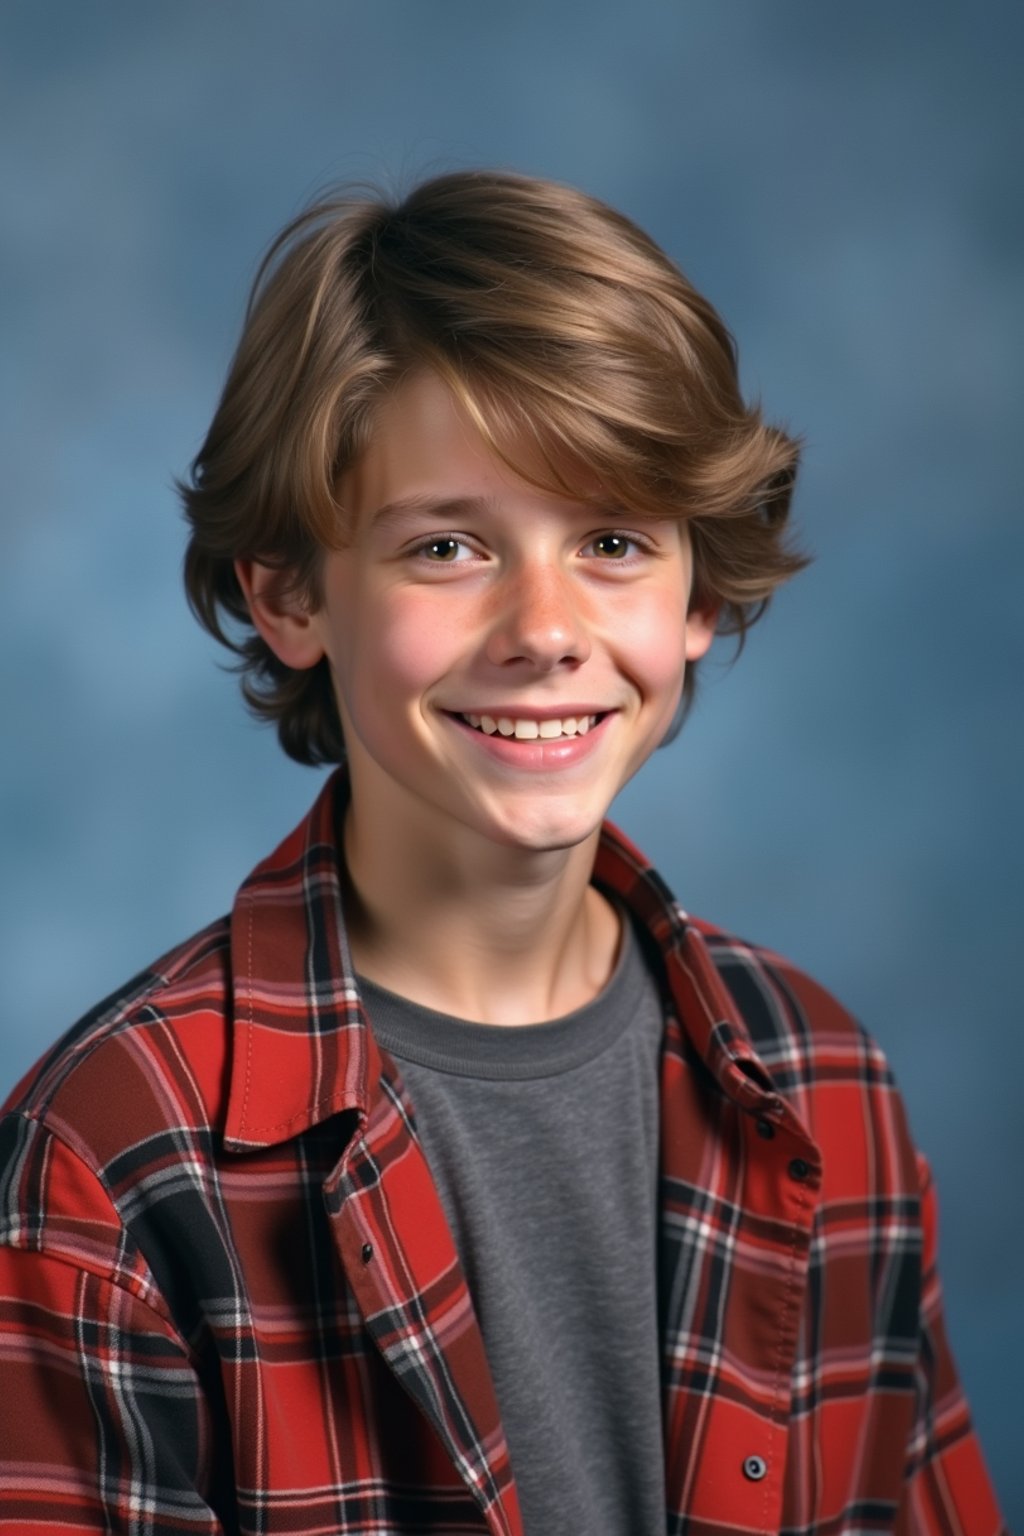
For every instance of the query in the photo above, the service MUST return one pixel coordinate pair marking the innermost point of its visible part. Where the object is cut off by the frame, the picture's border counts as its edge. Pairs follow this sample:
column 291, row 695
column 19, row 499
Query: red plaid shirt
column 230, row 1301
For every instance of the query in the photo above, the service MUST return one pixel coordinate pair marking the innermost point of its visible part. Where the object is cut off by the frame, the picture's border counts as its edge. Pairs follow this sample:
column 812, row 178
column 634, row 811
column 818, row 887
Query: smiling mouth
column 530, row 730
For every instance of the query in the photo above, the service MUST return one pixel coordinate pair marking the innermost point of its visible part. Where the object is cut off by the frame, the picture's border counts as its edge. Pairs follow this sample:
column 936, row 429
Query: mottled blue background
column 843, row 181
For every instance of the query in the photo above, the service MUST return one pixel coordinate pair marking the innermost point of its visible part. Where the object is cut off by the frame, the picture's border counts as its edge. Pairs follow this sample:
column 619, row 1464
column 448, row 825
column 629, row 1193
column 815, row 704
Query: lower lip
column 559, row 752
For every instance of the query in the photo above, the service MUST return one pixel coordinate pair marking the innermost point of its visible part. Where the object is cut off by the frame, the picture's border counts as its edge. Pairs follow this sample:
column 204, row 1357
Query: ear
column 279, row 614
column 701, row 623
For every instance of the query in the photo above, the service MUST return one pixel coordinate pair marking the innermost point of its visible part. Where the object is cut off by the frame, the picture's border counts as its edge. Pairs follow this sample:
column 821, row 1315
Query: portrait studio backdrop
column 842, row 182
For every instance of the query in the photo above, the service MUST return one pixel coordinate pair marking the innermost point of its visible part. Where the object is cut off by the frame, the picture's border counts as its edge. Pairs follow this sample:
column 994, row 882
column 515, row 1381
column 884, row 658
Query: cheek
column 651, row 639
column 398, row 648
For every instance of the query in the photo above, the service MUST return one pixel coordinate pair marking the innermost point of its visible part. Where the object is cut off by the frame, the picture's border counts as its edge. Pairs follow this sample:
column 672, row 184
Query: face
column 504, row 659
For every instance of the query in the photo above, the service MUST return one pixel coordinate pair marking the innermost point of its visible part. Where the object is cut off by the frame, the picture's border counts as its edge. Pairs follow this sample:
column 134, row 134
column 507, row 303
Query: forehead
column 425, row 448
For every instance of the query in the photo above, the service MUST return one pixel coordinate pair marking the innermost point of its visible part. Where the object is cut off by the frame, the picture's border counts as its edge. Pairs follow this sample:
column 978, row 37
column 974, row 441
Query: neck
column 501, row 935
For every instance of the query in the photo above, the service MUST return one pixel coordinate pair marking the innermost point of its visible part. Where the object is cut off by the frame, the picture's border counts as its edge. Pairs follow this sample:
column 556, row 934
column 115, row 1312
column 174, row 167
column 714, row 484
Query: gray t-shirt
column 543, row 1142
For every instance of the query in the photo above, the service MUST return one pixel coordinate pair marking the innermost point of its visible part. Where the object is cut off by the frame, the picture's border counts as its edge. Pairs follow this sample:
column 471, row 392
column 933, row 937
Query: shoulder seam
column 166, row 1324
column 125, row 1011
column 42, row 1248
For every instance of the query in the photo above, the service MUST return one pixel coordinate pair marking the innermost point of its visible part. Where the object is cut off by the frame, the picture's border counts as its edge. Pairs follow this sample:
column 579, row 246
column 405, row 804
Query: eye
column 616, row 548
column 442, row 551
column 612, row 546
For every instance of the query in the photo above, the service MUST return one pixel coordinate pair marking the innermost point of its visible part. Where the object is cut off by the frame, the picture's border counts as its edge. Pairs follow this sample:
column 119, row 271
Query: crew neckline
column 467, row 1048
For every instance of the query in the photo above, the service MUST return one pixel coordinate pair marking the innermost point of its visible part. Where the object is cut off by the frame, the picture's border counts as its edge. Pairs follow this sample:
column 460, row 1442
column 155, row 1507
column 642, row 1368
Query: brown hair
column 548, row 314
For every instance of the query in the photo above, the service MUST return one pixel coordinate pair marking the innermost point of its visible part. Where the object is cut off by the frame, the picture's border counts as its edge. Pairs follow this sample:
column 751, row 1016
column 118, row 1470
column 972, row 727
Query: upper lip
column 524, row 712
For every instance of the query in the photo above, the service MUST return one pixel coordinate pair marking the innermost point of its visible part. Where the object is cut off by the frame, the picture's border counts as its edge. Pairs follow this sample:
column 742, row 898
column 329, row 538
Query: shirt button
column 765, row 1129
column 798, row 1169
column 754, row 1468
column 367, row 1253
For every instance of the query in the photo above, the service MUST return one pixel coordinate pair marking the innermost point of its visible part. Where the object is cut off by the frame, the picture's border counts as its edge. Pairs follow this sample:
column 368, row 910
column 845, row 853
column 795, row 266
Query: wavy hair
column 555, row 320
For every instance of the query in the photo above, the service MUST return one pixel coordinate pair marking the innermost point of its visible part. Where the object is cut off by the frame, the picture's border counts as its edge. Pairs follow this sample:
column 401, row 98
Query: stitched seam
column 330, row 1098
column 109, row 1277
column 778, row 1361
column 276, row 1125
column 250, row 1017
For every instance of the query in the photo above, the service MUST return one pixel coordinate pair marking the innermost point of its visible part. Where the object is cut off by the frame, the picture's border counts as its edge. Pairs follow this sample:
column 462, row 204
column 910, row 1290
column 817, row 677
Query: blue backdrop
column 841, row 180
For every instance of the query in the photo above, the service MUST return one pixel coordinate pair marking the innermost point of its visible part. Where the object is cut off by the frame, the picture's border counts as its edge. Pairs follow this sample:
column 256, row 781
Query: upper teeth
column 529, row 730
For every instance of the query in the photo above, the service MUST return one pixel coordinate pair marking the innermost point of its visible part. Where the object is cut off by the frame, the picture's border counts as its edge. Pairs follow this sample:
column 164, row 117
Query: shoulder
column 792, row 1022
column 822, row 1059
column 120, row 1112
column 163, row 1034
column 796, row 1024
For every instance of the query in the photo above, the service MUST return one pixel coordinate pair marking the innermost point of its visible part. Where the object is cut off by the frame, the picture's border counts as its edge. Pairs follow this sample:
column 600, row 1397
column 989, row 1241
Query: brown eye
column 442, row 550
column 612, row 546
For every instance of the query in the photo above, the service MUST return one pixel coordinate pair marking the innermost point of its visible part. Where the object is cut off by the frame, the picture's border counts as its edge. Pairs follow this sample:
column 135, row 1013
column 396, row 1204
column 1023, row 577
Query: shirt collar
column 302, row 1046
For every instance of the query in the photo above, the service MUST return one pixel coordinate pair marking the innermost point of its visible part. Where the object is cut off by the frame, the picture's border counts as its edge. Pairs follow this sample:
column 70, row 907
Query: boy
column 459, row 1181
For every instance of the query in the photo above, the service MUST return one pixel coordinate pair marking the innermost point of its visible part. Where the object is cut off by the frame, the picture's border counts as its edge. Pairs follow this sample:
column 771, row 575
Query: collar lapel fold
column 302, row 1049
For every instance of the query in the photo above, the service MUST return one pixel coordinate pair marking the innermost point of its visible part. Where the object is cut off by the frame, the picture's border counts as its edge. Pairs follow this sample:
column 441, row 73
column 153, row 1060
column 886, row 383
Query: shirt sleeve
column 948, row 1491
column 104, row 1424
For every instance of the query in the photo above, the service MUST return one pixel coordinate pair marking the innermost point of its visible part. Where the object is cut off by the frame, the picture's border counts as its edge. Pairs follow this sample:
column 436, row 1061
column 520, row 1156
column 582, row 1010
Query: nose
column 537, row 619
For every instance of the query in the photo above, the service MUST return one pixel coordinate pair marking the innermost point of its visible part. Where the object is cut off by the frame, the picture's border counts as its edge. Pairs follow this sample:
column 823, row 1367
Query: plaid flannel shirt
column 230, row 1301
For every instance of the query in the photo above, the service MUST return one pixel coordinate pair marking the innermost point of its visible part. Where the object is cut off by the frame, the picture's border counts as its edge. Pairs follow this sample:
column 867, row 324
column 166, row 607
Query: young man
column 459, row 1181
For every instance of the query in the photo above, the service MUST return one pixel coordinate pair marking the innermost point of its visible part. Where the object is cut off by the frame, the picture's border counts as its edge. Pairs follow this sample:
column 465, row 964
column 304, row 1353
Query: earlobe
column 279, row 614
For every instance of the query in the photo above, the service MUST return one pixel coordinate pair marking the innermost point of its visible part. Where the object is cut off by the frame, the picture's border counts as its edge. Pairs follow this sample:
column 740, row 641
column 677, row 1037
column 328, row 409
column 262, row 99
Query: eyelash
column 422, row 548
column 641, row 545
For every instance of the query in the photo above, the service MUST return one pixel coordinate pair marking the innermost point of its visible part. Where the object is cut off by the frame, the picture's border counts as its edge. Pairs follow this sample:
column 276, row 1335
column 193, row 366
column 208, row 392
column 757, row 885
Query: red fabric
column 229, row 1299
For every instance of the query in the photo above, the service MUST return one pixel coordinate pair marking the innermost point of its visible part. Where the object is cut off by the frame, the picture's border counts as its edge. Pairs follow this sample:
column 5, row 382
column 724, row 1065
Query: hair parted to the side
column 555, row 320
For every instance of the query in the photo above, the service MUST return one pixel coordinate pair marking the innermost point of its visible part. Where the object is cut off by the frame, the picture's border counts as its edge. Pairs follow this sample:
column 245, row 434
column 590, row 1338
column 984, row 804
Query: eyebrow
column 405, row 508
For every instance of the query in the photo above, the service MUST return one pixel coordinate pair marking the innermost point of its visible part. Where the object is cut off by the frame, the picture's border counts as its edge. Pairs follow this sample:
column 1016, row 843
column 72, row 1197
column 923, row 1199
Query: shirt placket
column 740, row 1185
column 400, row 1261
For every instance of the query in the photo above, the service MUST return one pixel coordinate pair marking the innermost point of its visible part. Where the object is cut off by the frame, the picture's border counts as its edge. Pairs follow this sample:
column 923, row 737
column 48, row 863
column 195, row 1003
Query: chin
column 547, row 834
